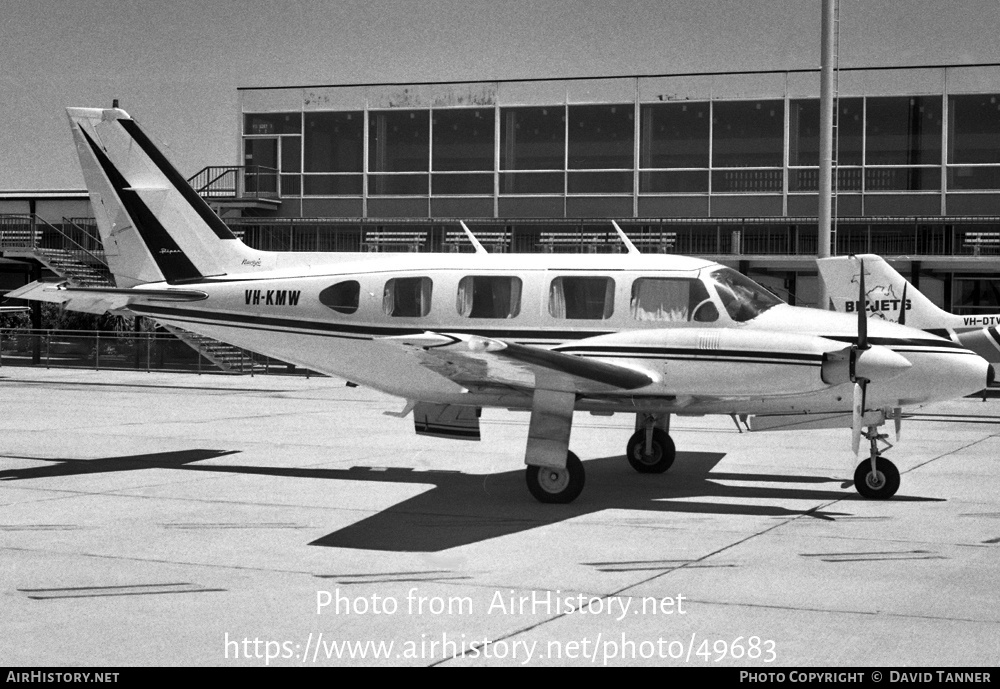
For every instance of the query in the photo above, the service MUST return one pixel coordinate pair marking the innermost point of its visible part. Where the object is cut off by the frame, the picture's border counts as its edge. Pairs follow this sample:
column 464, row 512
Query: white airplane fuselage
column 774, row 367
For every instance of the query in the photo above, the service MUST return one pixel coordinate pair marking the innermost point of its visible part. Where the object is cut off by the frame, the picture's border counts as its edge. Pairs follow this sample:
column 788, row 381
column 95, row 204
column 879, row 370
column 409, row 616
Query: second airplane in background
column 891, row 297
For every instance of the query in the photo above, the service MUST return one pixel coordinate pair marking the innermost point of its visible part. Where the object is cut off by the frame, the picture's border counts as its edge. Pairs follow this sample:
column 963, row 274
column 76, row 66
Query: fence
column 132, row 351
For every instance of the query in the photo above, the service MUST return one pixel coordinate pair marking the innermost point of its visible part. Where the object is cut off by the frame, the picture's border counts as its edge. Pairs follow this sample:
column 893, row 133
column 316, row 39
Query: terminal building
column 719, row 165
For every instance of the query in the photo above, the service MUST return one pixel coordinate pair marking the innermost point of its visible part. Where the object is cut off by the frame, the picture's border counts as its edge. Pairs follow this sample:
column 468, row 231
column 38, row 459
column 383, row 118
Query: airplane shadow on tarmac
column 459, row 508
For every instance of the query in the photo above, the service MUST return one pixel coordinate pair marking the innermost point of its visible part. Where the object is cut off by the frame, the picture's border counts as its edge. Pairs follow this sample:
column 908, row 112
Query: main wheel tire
column 556, row 486
column 880, row 485
column 658, row 460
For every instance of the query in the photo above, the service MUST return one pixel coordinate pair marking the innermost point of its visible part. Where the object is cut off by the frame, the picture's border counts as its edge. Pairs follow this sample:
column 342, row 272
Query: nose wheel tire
column 556, row 486
column 660, row 456
column 881, row 484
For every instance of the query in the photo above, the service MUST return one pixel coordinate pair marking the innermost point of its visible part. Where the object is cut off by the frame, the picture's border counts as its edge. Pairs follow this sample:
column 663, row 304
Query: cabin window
column 407, row 297
column 489, row 296
column 342, row 297
column 743, row 298
column 590, row 298
column 665, row 299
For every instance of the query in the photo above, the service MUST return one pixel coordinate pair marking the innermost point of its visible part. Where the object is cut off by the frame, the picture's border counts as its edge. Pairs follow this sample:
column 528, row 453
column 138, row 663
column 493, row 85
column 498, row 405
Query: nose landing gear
column 876, row 478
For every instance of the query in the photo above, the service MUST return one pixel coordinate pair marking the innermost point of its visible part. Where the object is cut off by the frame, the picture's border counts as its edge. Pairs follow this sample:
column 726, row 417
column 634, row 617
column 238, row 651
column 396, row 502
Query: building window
column 398, row 142
column 601, row 137
column 481, row 296
column 260, row 157
column 748, row 134
column 803, row 144
column 590, row 298
column 532, row 139
column 407, row 297
column 272, row 123
column 976, row 295
column 658, row 299
column 974, row 142
column 672, row 136
column 342, row 297
column 463, row 142
column 903, row 133
column 334, row 143
column 291, row 165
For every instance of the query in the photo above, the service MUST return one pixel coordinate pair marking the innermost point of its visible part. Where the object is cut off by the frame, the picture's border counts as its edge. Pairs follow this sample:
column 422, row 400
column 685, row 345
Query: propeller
column 902, row 307
column 860, row 383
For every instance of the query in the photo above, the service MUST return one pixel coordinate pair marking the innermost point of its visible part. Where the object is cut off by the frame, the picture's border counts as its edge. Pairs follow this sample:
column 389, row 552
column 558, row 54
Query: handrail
column 207, row 181
column 95, row 238
column 29, row 232
column 67, row 238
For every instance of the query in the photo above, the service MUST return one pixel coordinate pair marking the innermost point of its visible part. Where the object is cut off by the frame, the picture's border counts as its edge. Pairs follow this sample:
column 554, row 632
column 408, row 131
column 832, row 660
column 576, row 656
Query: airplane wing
column 99, row 300
column 473, row 360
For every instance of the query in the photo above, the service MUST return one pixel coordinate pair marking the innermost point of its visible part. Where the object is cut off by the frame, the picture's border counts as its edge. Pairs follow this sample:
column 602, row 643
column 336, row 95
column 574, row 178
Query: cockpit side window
column 489, row 296
column 591, row 298
column 743, row 298
column 671, row 299
column 407, row 297
column 342, row 297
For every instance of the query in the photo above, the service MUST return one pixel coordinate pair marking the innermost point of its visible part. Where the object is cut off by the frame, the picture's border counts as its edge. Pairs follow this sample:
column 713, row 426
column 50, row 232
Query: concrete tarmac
column 174, row 519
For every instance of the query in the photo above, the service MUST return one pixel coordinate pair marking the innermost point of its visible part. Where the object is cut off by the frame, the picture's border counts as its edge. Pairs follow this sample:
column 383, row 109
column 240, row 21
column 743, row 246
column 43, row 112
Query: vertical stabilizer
column 154, row 226
column 890, row 296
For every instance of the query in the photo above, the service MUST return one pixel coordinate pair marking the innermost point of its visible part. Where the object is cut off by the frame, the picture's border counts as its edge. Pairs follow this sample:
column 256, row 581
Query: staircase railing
column 237, row 181
column 28, row 232
column 87, row 228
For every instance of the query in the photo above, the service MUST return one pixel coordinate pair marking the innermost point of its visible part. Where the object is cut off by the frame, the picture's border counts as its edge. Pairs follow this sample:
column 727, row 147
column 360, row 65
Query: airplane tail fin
column 890, row 296
column 154, row 226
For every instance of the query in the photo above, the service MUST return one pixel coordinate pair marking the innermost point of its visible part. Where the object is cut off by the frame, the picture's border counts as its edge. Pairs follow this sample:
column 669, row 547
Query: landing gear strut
column 650, row 450
column 876, row 478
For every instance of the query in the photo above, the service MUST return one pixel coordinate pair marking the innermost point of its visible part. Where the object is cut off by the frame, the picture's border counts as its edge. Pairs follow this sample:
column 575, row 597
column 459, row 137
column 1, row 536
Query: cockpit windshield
column 743, row 298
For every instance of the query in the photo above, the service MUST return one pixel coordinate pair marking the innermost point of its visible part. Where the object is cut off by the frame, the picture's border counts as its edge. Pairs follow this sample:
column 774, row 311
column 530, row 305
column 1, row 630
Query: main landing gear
column 876, row 478
column 556, row 486
column 556, row 475
column 650, row 450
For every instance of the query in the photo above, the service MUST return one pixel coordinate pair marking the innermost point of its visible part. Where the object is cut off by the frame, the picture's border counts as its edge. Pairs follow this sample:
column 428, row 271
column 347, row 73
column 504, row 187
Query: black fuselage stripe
column 640, row 351
column 372, row 330
column 172, row 262
column 343, row 330
column 898, row 341
column 196, row 202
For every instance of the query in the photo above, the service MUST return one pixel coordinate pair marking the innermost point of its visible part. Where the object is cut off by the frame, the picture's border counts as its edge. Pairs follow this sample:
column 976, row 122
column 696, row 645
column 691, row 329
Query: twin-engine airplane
column 549, row 334
column 892, row 297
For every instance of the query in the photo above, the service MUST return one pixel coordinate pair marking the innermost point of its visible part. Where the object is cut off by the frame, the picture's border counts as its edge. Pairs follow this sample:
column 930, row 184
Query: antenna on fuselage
column 472, row 238
column 625, row 240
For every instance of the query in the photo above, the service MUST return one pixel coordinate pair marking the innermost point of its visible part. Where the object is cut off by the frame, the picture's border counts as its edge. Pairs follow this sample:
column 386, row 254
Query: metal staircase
column 68, row 264
column 73, row 251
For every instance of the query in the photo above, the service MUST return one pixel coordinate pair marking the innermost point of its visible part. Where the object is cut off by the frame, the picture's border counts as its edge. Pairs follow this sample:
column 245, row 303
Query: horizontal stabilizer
column 99, row 300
